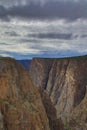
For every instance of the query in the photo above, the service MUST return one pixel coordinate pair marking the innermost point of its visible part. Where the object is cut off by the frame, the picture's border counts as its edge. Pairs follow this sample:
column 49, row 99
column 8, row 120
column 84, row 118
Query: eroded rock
column 63, row 79
column 55, row 124
column 20, row 102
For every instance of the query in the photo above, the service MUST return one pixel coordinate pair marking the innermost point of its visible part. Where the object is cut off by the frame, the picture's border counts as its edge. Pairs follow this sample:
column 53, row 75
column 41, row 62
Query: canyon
column 64, row 80
column 50, row 95
column 22, row 105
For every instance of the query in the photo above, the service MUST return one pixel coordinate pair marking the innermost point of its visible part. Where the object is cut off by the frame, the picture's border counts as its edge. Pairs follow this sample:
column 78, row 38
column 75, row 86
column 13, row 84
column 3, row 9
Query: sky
column 43, row 28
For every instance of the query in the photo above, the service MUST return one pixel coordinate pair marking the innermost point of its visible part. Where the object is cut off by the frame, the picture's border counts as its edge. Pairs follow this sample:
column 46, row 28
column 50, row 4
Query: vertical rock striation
column 78, row 120
column 21, row 107
column 39, row 71
column 1, row 122
column 55, row 124
column 64, row 80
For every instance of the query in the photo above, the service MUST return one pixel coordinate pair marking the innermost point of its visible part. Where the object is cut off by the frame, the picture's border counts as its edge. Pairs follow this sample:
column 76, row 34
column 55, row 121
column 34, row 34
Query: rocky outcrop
column 78, row 120
column 55, row 124
column 64, row 80
column 21, row 107
column 39, row 71
column 1, row 122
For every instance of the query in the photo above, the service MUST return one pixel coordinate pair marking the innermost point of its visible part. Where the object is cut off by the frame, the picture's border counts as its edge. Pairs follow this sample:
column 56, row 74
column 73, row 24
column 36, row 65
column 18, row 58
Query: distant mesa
column 25, row 63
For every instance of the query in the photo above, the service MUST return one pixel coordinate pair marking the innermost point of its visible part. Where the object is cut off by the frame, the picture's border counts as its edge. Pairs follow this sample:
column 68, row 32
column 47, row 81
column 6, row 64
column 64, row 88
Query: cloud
column 69, row 10
column 84, row 36
column 36, row 38
column 12, row 33
column 30, row 41
column 18, row 50
column 3, row 13
column 51, row 10
column 52, row 36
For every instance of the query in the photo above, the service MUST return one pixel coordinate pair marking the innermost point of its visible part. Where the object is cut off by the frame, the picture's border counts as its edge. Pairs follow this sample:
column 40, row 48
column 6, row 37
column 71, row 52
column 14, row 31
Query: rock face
column 55, row 124
column 39, row 71
column 21, row 107
column 1, row 122
column 64, row 80
column 78, row 119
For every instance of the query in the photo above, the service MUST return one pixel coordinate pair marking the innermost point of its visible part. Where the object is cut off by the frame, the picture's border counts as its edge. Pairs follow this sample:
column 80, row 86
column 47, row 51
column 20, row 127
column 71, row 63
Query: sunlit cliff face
column 45, row 29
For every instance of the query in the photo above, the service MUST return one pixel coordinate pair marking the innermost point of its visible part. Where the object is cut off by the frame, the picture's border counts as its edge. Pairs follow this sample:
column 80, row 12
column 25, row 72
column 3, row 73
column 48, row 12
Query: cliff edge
column 64, row 80
column 21, row 107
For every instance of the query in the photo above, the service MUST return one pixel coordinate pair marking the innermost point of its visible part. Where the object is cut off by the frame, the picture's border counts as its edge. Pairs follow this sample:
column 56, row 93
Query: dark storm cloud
column 76, row 36
column 28, row 40
column 1, row 44
column 67, row 10
column 12, row 33
column 3, row 13
column 52, row 36
column 84, row 35
column 58, row 9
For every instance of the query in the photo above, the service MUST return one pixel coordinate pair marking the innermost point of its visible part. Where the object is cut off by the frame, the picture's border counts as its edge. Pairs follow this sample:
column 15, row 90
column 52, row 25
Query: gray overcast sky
column 44, row 28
